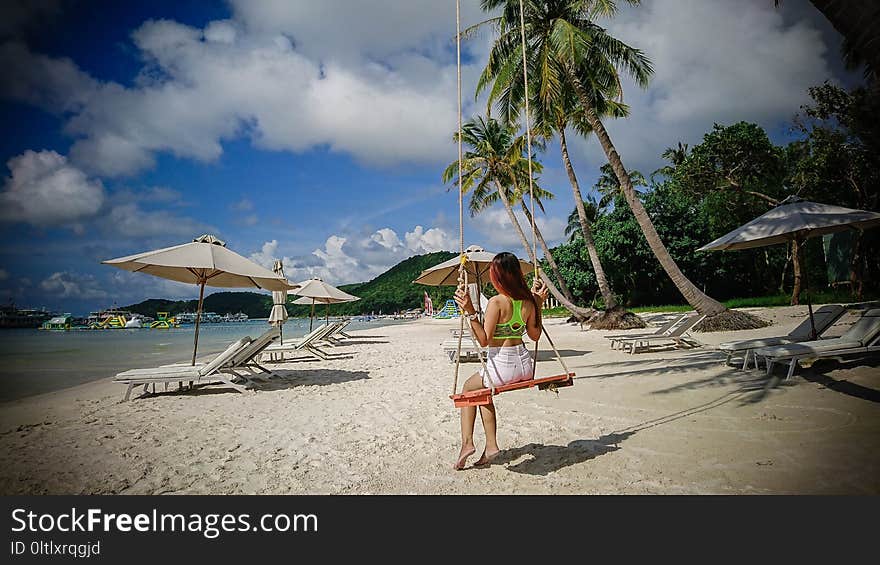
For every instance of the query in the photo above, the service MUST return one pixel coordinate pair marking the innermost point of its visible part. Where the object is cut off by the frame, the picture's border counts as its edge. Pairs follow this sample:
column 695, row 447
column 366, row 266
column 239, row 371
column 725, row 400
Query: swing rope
column 462, row 269
column 462, row 266
column 522, row 31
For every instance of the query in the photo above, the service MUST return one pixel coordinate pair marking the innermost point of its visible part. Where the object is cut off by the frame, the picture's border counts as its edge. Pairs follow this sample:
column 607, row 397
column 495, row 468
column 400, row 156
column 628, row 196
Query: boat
column 12, row 317
column 239, row 317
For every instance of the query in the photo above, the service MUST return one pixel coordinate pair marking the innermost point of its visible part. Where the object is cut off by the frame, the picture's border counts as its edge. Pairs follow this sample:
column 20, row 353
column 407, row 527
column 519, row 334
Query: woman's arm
column 533, row 324
column 482, row 334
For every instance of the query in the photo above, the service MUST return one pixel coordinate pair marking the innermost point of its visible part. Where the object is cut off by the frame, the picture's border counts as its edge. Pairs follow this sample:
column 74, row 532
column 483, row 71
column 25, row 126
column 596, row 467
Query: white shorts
column 507, row 365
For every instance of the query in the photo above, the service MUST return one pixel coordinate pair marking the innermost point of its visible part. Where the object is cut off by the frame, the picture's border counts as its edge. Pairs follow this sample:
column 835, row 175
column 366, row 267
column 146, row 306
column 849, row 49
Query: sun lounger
column 334, row 334
column 660, row 331
column 247, row 358
column 678, row 335
column 468, row 349
column 823, row 318
column 208, row 372
column 308, row 343
column 862, row 337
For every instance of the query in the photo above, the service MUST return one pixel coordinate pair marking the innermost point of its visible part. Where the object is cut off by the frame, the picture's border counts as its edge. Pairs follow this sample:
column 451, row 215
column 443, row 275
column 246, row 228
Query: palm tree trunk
column 699, row 300
column 574, row 309
column 601, row 279
column 549, row 256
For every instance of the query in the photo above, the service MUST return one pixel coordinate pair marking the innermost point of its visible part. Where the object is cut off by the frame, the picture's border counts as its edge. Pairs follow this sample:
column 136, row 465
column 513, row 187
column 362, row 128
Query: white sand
column 378, row 420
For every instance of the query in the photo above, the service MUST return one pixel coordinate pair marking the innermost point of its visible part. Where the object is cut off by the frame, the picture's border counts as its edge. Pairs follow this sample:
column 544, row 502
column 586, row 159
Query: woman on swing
column 514, row 311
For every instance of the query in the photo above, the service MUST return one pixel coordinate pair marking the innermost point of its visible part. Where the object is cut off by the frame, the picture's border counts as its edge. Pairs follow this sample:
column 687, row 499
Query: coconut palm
column 608, row 186
column 493, row 170
column 573, row 227
column 566, row 48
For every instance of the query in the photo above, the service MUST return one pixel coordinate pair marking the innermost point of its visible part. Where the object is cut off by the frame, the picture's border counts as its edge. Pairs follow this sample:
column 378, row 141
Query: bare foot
column 486, row 458
column 462, row 457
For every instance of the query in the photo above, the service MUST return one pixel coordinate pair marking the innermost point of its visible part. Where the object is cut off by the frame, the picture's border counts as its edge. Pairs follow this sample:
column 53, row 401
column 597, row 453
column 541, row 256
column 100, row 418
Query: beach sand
column 377, row 420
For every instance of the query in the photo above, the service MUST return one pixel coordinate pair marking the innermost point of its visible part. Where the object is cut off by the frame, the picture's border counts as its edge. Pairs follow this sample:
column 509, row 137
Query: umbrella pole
column 312, row 316
column 198, row 319
column 327, row 314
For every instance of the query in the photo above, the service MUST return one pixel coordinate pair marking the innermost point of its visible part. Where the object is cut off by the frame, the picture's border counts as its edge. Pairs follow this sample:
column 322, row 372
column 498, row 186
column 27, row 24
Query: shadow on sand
column 288, row 380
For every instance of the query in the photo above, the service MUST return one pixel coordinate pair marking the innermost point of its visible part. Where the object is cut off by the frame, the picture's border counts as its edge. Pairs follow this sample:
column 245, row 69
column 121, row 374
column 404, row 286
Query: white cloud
column 347, row 259
column 65, row 284
column 289, row 75
column 714, row 62
column 44, row 189
column 499, row 235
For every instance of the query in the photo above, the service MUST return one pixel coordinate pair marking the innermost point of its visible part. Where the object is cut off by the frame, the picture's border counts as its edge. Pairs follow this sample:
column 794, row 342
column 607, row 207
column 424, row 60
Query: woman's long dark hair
column 506, row 274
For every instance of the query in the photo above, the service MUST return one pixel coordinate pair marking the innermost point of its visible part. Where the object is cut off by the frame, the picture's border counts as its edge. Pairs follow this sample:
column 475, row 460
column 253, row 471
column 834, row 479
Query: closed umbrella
column 278, row 315
column 478, row 262
column 204, row 261
column 794, row 219
column 315, row 291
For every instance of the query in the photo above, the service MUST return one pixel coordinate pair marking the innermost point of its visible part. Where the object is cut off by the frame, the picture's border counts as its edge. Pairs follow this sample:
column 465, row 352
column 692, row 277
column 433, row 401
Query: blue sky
column 316, row 132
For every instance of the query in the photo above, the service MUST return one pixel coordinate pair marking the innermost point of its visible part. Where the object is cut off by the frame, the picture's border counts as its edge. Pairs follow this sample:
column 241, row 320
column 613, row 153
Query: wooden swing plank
column 483, row 396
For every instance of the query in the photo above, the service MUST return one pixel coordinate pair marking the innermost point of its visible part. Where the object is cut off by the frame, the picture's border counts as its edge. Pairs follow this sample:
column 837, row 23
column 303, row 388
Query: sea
column 36, row 361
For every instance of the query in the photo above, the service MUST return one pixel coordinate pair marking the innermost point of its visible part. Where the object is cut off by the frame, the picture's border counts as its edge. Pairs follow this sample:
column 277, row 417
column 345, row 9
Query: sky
column 316, row 132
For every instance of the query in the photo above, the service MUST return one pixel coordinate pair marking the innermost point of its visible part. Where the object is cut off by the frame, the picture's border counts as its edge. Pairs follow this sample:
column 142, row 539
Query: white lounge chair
column 862, row 337
column 468, row 349
column 659, row 332
column 308, row 343
column 247, row 357
column 678, row 335
column 823, row 318
column 208, row 372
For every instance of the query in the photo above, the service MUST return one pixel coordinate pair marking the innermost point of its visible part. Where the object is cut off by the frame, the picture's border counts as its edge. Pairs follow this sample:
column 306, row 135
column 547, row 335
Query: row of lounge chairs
column 241, row 361
column 862, row 337
column 793, row 349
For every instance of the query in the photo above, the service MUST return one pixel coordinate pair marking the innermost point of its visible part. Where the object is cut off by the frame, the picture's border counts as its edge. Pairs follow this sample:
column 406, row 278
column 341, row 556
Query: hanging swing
column 483, row 396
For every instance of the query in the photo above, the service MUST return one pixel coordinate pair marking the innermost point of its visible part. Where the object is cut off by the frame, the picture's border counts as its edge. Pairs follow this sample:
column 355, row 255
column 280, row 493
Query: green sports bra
column 513, row 328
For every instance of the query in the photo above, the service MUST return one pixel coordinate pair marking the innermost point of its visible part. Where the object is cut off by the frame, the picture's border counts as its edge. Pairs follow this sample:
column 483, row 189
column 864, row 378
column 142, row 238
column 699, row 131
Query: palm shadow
column 544, row 355
column 842, row 386
column 309, row 377
column 357, row 342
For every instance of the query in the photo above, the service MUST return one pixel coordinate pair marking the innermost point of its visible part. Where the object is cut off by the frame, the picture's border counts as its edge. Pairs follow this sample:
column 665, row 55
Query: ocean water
column 35, row 361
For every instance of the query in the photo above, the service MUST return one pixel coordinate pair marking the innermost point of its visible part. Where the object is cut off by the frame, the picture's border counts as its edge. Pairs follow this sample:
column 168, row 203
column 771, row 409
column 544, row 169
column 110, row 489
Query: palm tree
column 493, row 170
column 566, row 47
column 675, row 156
column 573, row 225
column 608, row 186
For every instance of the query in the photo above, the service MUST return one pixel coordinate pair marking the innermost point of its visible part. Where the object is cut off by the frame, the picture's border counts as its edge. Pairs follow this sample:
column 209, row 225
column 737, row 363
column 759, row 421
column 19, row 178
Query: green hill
column 390, row 292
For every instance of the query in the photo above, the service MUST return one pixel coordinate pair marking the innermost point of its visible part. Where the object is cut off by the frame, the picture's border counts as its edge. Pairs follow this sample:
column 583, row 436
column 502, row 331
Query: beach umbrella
column 478, row 262
column 278, row 314
column 315, row 291
column 794, row 220
column 204, row 261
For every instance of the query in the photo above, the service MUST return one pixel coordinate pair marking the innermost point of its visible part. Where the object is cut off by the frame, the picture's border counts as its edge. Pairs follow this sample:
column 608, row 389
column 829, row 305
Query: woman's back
column 513, row 318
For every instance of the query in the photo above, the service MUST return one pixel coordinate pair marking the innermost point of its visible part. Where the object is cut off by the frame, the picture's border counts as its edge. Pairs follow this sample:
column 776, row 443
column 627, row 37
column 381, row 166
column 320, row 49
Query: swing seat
column 483, row 396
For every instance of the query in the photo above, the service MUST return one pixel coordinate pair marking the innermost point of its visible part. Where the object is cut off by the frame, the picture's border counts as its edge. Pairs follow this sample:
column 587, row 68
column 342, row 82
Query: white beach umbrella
column 205, row 261
column 477, row 266
column 478, row 262
column 278, row 314
column 795, row 220
column 315, row 291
